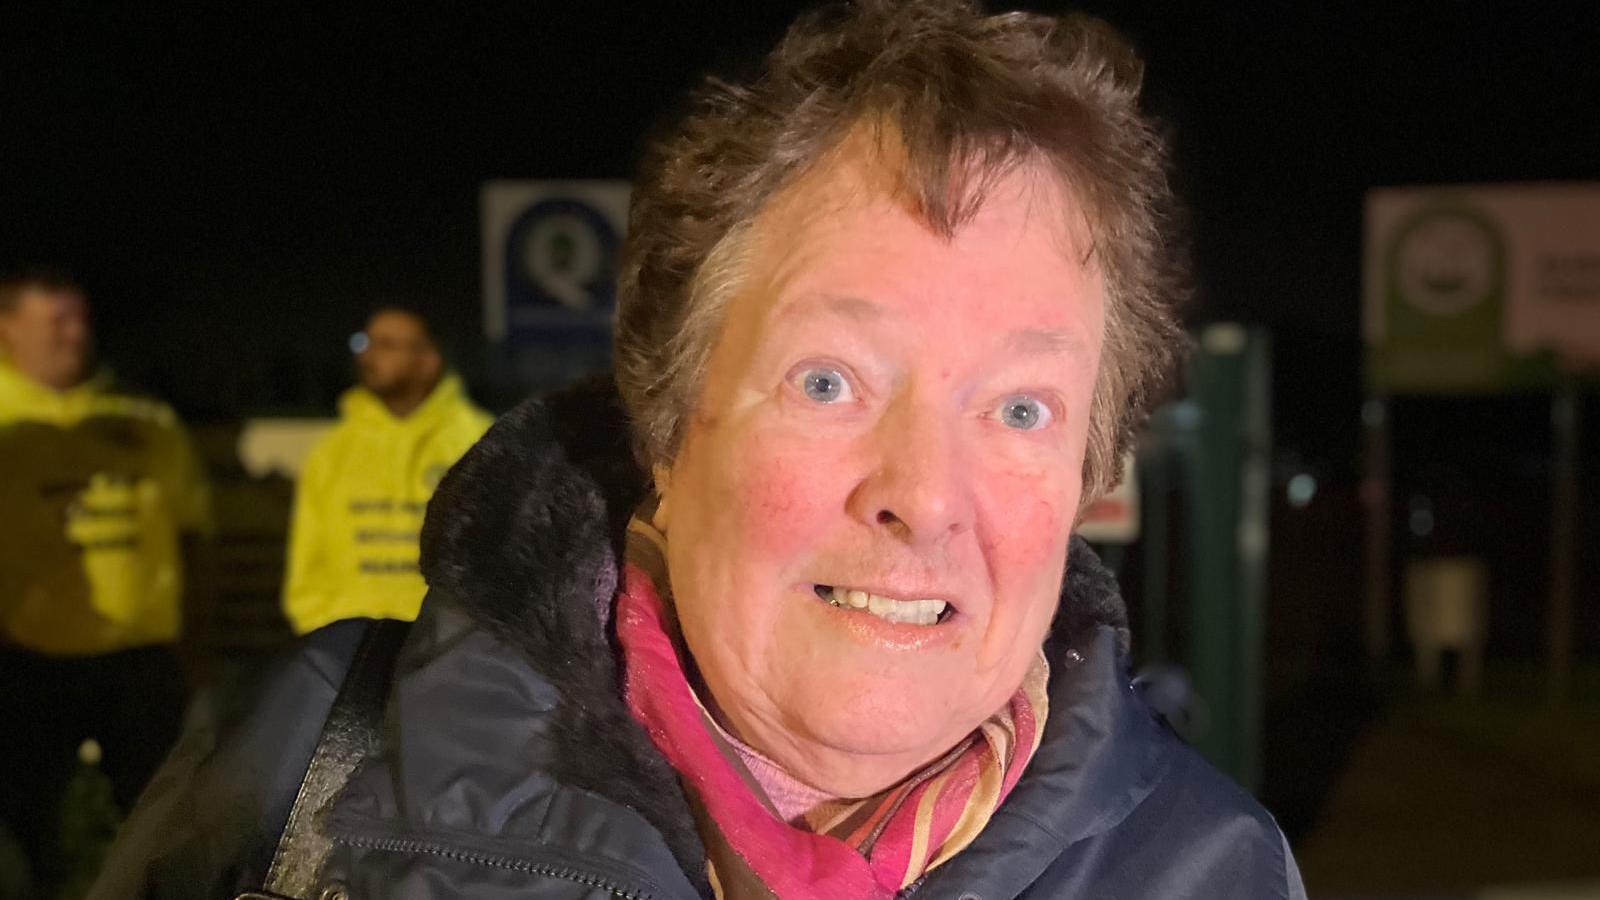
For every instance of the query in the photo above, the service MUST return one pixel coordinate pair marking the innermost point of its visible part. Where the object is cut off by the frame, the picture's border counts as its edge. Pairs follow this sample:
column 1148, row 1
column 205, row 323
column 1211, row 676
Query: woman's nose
column 918, row 487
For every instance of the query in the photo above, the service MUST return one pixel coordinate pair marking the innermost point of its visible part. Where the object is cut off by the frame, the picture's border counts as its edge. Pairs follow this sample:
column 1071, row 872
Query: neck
column 791, row 797
column 403, row 406
column 55, row 385
column 61, row 386
column 402, row 403
column 828, row 770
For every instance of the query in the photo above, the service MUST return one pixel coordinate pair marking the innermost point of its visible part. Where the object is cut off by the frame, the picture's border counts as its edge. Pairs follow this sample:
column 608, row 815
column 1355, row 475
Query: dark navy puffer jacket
column 510, row 767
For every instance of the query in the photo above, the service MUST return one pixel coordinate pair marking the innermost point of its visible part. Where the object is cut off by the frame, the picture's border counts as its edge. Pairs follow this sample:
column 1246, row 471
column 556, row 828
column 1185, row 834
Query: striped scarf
column 870, row 847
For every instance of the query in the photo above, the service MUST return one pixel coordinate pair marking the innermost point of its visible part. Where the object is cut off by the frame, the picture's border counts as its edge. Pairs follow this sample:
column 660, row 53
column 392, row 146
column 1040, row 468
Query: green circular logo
column 1446, row 261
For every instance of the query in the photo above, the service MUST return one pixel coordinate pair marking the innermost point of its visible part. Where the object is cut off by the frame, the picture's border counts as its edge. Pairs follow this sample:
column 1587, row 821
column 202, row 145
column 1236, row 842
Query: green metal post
column 1227, row 463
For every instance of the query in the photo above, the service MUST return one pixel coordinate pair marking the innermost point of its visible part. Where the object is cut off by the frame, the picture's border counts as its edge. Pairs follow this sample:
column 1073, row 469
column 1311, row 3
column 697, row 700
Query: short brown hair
column 969, row 97
column 16, row 282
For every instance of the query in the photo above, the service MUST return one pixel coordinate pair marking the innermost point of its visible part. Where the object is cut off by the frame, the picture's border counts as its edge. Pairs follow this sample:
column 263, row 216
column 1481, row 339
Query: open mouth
column 928, row 611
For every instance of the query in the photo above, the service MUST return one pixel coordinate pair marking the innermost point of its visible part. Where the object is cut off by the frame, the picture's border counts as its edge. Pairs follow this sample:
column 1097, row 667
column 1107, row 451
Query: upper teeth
column 910, row 612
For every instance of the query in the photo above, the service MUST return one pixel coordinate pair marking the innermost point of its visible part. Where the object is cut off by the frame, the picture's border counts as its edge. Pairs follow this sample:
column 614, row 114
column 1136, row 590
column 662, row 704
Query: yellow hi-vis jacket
column 359, row 504
column 96, row 488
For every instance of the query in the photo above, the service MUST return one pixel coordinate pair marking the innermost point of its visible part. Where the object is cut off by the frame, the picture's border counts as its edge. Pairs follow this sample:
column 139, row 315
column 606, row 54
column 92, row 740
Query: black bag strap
column 349, row 735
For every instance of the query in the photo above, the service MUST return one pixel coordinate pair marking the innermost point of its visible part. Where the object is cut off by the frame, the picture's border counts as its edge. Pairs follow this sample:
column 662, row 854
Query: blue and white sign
column 549, row 271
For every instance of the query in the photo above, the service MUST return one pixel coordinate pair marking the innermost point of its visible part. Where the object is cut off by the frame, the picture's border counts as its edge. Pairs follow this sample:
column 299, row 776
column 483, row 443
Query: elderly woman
column 889, row 315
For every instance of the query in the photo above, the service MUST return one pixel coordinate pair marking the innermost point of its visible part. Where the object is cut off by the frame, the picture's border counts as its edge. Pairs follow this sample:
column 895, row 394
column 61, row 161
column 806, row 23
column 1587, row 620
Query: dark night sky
column 236, row 183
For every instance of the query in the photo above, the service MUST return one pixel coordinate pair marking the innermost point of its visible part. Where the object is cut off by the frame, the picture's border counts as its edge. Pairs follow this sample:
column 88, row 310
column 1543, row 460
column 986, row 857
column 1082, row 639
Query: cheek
column 1026, row 539
column 777, row 497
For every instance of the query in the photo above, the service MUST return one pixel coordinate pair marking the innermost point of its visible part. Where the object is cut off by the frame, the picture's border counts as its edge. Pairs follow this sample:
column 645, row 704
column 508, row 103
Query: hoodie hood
column 22, row 397
column 361, row 405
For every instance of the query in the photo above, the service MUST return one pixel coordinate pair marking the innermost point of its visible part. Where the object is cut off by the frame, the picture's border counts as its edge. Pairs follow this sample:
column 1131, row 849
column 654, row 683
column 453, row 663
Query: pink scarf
column 866, row 848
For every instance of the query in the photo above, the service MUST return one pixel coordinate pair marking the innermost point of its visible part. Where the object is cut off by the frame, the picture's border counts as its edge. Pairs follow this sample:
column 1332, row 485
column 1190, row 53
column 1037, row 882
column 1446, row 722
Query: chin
column 887, row 724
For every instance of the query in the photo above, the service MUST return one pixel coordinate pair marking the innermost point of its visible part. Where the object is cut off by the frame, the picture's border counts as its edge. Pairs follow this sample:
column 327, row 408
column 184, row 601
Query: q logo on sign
column 561, row 253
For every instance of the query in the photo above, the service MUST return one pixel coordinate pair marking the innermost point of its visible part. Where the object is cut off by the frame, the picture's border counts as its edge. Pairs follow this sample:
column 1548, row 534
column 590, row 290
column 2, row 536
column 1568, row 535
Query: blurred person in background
column 360, row 498
column 103, row 500
column 793, row 606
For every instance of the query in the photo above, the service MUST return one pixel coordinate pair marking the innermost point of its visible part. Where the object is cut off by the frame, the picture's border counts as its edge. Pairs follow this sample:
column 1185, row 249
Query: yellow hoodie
column 359, row 505
column 97, row 488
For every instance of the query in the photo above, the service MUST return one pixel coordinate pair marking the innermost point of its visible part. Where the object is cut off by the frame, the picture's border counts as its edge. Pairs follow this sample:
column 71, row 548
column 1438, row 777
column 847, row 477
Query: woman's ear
column 662, row 477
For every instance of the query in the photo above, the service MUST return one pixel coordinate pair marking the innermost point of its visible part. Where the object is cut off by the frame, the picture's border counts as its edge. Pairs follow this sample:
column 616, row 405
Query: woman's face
column 896, row 421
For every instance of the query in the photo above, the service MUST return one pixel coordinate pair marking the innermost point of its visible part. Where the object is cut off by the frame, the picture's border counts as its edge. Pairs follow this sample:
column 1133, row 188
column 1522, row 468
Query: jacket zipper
column 587, row 879
column 400, row 845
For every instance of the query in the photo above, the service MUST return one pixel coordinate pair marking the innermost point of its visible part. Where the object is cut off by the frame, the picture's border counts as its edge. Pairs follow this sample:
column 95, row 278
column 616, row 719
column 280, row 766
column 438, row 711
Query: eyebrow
column 1044, row 342
column 842, row 305
column 1022, row 342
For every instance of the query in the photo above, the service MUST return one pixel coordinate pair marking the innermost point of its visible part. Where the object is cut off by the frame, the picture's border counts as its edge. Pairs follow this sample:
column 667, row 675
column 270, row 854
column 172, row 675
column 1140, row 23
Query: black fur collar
column 525, row 533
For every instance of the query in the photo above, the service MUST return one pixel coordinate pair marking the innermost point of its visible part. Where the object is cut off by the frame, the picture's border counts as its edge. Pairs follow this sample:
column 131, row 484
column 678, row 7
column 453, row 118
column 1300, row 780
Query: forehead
column 41, row 300
column 847, row 231
column 396, row 324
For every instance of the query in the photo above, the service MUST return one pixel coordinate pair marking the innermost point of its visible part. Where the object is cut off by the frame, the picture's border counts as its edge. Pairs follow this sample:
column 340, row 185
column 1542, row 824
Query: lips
column 924, row 611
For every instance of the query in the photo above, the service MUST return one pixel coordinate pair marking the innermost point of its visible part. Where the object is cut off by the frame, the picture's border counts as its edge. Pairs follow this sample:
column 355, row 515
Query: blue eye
column 1024, row 413
column 825, row 385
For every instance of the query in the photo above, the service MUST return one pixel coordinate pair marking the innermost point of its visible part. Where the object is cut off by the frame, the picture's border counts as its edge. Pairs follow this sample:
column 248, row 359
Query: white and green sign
column 1481, row 289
